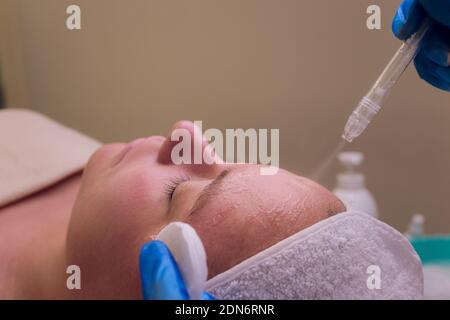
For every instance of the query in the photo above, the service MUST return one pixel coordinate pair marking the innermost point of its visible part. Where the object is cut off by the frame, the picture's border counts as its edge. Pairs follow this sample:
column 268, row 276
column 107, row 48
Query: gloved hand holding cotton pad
column 188, row 251
column 164, row 278
column 348, row 256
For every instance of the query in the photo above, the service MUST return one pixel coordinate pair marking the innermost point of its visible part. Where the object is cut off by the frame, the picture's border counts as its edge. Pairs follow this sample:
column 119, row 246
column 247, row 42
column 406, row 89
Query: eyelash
column 172, row 185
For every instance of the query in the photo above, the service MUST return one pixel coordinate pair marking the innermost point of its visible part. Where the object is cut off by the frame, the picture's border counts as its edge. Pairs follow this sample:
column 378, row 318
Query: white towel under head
column 348, row 256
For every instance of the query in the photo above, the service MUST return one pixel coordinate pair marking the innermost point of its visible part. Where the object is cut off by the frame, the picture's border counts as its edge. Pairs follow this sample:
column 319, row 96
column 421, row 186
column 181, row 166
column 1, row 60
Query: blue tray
column 433, row 249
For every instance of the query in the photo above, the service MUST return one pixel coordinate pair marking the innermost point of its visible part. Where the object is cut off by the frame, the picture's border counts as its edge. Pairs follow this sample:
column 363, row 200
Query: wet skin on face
column 129, row 192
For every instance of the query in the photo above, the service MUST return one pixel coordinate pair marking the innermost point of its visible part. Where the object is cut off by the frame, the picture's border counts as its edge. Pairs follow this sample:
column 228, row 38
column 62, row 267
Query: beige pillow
column 36, row 152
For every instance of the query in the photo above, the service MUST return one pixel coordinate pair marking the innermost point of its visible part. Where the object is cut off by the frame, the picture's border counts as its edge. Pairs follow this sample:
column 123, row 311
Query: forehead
column 246, row 191
column 242, row 187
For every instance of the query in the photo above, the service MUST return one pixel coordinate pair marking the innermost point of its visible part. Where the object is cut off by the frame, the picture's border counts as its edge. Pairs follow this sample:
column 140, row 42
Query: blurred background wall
column 298, row 65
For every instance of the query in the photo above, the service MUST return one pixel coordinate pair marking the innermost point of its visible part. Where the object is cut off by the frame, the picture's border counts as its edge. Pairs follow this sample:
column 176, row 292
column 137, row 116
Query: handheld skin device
column 372, row 102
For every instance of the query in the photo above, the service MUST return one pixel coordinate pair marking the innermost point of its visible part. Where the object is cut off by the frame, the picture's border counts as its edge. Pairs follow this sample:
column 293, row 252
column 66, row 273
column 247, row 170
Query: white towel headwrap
column 348, row 256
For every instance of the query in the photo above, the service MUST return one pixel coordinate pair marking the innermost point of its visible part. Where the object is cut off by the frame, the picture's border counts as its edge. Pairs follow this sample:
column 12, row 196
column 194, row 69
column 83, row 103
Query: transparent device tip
column 360, row 119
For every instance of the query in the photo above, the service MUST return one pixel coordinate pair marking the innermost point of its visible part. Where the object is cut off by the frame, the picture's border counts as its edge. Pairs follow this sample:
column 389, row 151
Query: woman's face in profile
column 130, row 192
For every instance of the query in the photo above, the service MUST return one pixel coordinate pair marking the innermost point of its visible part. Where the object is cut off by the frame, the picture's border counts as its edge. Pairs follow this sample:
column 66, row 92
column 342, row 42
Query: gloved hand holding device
column 433, row 61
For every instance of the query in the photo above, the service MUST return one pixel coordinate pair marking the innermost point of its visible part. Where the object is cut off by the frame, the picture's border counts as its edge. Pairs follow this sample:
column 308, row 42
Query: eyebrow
column 209, row 191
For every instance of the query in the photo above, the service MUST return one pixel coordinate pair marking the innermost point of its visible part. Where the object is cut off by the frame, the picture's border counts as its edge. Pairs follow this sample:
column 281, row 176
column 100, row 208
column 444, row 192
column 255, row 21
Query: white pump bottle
column 351, row 187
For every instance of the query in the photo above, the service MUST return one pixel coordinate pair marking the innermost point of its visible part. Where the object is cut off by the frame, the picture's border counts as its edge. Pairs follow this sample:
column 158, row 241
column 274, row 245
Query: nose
column 186, row 145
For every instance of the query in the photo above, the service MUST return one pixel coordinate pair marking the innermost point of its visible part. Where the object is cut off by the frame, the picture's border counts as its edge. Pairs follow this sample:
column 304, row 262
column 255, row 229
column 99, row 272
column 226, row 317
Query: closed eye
column 172, row 185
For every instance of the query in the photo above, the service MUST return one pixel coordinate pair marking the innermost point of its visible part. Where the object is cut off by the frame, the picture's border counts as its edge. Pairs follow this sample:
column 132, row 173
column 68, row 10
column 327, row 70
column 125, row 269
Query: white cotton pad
column 189, row 253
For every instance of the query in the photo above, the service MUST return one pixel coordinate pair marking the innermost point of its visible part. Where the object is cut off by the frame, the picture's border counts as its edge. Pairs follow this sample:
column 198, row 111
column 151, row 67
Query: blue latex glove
column 160, row 277
column 432, row 62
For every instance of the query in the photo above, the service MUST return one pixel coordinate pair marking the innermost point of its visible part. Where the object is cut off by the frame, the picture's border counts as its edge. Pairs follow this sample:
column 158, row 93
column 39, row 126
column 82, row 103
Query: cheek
column 110, row 222
column 135, row 197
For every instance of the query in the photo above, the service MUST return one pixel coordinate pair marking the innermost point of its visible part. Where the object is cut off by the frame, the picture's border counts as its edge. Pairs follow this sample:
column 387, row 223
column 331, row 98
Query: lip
column 127, row 149
column 135, row 142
